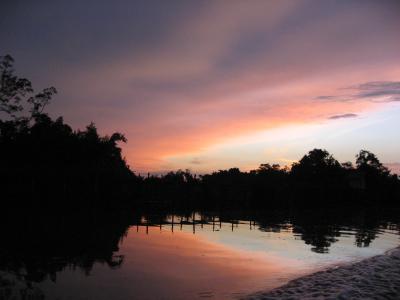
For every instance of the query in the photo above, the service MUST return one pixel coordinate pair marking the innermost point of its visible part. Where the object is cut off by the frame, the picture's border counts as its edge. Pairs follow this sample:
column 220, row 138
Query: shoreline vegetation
column 376, row 277
column 75, row 188
column 45, row 163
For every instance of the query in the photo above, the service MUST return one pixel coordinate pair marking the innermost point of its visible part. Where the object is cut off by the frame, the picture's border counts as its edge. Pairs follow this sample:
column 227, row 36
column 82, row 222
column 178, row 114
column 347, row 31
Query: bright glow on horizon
column 285, row 145
column 208, row 86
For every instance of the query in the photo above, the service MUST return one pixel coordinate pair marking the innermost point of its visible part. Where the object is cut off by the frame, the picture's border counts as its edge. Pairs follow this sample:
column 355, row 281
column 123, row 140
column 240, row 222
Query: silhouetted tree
column 16, row 94
column 316, row 163
column 42, row 158
column 368, row 162
column 45, row 159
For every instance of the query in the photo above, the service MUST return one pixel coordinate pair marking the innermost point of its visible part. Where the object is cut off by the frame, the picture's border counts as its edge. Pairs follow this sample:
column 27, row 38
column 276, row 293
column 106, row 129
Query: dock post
column 194, row 225
column 213, row 223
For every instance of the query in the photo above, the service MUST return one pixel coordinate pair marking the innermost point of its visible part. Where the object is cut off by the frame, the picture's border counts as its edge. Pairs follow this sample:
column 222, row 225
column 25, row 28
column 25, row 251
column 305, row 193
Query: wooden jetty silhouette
column 192, row 221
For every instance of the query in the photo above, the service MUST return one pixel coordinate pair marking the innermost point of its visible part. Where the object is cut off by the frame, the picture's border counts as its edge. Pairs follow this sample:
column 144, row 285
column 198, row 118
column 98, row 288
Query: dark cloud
column 196, row 161
column 376, row 91
column 325, row 97
column 343, row 116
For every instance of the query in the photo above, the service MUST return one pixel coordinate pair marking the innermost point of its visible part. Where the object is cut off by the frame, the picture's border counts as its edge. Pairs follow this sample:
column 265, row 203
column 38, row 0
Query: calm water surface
column 210, row 258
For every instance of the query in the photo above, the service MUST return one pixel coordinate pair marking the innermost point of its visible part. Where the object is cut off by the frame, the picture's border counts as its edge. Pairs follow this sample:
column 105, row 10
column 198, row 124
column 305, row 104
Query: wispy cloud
column 179, row 83
column 376, row 91
column 343, row 116
column 196, row 161
column 326, row 97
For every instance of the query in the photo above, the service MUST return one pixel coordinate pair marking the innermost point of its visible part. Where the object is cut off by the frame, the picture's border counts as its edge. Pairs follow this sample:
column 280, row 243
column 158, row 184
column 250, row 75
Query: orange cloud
column 229, row 71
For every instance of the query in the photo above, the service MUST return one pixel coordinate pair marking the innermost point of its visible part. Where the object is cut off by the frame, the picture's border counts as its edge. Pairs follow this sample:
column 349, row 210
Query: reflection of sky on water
column 178, row 265
column 287, row 244
column 224, row 264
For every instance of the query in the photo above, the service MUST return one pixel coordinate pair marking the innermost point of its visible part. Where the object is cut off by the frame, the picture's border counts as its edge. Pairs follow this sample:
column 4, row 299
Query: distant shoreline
column 376, row 277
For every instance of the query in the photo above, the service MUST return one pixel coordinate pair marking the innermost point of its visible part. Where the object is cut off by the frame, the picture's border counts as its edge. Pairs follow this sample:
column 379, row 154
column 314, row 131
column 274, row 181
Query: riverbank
column 377, row 277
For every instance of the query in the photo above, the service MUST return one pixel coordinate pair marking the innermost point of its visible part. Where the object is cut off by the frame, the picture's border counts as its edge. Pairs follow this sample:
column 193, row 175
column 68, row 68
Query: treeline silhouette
column 68, row 196
column 318, row 179
column 45, row 163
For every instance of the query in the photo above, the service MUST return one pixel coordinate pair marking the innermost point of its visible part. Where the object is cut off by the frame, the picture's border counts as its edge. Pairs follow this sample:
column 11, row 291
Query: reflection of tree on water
column 318, row 228
column 47, row 164
column 319, row 237
column 366, row 233
column 365, row 237
column 35, row 246
column 12, row 287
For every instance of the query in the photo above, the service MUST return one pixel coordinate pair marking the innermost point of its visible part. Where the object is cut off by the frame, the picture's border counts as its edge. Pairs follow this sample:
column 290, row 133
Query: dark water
column 148, row 255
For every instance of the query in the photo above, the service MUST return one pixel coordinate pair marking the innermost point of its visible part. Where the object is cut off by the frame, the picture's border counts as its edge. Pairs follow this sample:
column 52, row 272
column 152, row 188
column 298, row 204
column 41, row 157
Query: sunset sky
column 208, row 85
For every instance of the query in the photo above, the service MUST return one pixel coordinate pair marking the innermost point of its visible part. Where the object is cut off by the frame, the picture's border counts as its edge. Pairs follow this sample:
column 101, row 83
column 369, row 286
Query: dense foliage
column 44, row 161
column 318, row 179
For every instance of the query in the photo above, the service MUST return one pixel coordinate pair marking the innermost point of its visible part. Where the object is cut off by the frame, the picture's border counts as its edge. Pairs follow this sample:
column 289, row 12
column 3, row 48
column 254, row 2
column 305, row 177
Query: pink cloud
column 233, row 70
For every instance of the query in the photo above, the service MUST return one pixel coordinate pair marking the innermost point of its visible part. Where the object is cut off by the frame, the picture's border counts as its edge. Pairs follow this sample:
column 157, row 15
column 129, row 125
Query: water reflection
column 178, row 254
